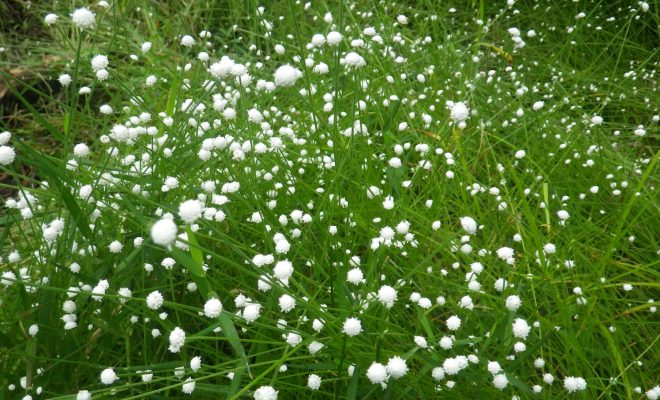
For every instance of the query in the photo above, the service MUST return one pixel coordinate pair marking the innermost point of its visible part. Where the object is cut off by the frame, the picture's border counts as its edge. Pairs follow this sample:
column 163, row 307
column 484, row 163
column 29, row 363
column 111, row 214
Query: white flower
column 520, row 328
column 453, row 323
column 177, row 339
column 377, row 373
column 334, row 38
column 352, row 327
column 99, row 62
column 213, row 308
column 287, row 303
column 387, row 295
column 164, row 232
column 189, row 386
column 314, row 382
column 83, row 18
column 50, row 19
column 108, row 376
column 469, row 225
column 196, row 363
column 81, row 150
column 354, row 60
column 396, row 367
column 7, row 155
column 355, row 276
column 500, row 381
column 187, row 41
column 190, row 211
column 513, row 303
column 459, row 112
column 115, row 247
column 154, row 300
column 83, row 395
column 574, row 384
column 265, row 393
column 286, row 75
column 65, row 80
column 538, row 105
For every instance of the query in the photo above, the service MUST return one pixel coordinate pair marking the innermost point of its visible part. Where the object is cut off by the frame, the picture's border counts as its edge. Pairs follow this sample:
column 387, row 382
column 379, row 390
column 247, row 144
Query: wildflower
column 177, row 339
column 51, row 19
column 520, row 328
column 265, row 393
column 513, row 303
column 500, row 381
column 115, row 247
column 83, row 395
column 396, row 367
column 99, row 62
column 377, row 373
column 196, row 363
column 187, row 41
column 108, row 376
column 574, row 384
column 286, row 76
column 387, row 295
column 459, row 112
column 352, row 327
column 469, row 225
column 333, row 38
column 314, row 382
column 7, row 155
column 83, row 18
column 189, row 386
column 453, row 323
column 190, row 211
column 154, row 300
column 355, row 276
column 287, row 303
column 164, row 232
column 213, row 308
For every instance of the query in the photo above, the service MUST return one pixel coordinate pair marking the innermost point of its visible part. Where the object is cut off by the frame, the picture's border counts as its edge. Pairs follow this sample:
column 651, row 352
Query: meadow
column 359, row 199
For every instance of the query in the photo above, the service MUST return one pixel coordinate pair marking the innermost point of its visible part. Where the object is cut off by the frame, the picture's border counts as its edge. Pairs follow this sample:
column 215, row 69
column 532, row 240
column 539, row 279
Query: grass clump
column 331, row 200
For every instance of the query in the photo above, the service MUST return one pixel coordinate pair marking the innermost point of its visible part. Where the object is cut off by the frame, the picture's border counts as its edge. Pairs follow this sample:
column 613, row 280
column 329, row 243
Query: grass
column 585, row 322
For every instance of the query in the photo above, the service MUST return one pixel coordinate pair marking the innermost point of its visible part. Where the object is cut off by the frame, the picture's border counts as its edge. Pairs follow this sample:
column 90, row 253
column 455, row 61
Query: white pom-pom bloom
column 81, row 150
column 83, row 18
column 196, row 363
column 164, row 232
column 500, row 381
column 574, row 384
column 387, row 295
column 7, row 155
column 377, row 373
column 286, row 75
column 396, row 367
column 352, row 327
column 190, row 210
column 154, row 300
column 177, row 339
column 187, row 41
column 355, row 276
column 459, row 112
column 453, row 323
column 334, row 38
column 513, row 303
column 314, row 382
column 265, row 393
column 84, row 395
column 520, row 328
column 189, row 386
column 469, row 225
column 108, row 376
column 50, row 19
column 354, row 60
column 99, row 62
column 287, row 303
column 213, row 308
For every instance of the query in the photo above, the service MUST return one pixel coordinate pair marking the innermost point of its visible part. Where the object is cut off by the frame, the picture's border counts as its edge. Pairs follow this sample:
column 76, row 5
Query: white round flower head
column 189, row 386
column 314, row 382
column 396, row 367
column 500, row 381
column 251, row 312
column 265, row 393
column 334, row 38
column 81, row 150
column 513, row 303
column 352, row 326
column 355, row 276
column 5, row 137
column 154, row 300
column 438, row 373
column 196, row 363
column 286, row 75
column 115, row 246
column 387, row 295
column 453, row 323
column 213, row 308
column 50, row 19
column 287, row 303
column 83, row 395
column 459, row 112
column 83, row 18
column 177, row 339
column 469, row 225
column 520, row 154
column 190, row 210
column 7, row 155
column 164, row 232
column 354, row 60
column 377, row 373
column 494, row 367
column 33, row 330
column 65, row 80
column 108, row 376
column 99, row 62
column 520, row 328
column 187, row 41
column 574, row 384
